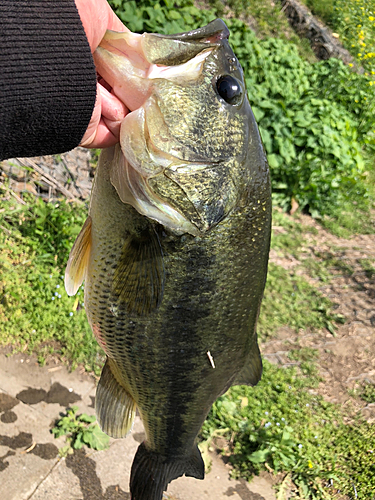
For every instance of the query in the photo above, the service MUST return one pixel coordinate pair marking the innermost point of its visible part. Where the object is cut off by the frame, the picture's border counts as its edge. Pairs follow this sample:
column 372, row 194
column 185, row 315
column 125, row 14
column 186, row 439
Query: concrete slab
column 60, row 484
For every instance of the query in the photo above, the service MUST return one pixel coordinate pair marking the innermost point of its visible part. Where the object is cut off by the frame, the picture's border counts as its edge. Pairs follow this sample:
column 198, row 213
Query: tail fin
column 151, row 474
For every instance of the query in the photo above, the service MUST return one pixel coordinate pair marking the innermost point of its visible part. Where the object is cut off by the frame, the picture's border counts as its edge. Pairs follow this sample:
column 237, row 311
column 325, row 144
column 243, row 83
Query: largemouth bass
column 175, row 248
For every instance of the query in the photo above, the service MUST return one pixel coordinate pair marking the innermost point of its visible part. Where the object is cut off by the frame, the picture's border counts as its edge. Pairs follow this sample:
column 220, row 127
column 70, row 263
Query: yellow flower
column 309, row 463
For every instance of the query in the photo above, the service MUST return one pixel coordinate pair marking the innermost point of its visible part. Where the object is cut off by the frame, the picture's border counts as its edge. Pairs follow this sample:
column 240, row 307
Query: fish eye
column 229, row 89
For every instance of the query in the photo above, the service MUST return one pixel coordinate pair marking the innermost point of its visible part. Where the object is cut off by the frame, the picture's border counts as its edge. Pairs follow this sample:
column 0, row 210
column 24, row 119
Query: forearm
column 47, row 77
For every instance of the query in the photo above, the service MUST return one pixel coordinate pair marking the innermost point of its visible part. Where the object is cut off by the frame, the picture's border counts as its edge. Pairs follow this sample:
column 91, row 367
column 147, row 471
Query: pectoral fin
column 138, row 282
column 114, row 407
column 78, row 259
column 252, row 371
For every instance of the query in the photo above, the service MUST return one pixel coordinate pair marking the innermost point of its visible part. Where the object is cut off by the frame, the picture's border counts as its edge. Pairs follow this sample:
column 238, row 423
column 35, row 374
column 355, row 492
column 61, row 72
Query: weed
column 366, row 392
column 79, row 430
column 348, row 221
column 303, row 354
column 282, row 425
column 317, row 269
column 327, row 265
column 368, row 267
column 95, row 153
column 270, row 21
column 322, row 8
column 307, row 358
column 354, row 22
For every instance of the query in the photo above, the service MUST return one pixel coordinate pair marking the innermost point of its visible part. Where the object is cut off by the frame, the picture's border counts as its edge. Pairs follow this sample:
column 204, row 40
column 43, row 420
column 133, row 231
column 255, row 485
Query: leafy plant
column 311, row 141
column 79, row 430
column 164, row 16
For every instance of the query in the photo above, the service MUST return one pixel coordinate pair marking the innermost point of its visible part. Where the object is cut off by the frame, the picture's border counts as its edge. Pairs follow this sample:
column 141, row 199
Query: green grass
column 36, row 314
column 366, row 391
column 349, row 220
column 325, row 265
column 368, row 266
column 283, row 425
column 325, row 9
column 290, row 235
column 289, row 300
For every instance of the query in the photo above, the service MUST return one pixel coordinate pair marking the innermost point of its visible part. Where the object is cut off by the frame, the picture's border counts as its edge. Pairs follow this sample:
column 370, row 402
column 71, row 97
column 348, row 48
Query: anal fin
column 251, row 372
column 115, row 408
column 78, row 259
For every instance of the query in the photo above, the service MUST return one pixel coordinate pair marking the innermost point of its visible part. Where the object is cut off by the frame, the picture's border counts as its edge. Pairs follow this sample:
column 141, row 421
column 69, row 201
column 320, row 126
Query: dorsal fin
column 78, row 259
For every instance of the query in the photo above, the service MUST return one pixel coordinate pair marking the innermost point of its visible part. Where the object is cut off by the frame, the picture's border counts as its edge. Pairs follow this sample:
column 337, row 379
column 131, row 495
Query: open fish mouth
column 130, row 61
column 150, row 169
column 124, row 61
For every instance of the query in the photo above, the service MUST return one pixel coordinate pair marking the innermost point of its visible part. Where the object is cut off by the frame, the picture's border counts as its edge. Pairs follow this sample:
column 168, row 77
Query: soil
column 346, row 358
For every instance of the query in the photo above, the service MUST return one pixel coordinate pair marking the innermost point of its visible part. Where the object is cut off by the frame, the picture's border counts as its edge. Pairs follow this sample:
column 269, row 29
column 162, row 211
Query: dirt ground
column 346, row 359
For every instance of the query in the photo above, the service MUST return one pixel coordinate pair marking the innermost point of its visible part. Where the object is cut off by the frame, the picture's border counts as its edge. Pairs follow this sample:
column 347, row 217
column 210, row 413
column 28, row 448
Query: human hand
column 104, row 127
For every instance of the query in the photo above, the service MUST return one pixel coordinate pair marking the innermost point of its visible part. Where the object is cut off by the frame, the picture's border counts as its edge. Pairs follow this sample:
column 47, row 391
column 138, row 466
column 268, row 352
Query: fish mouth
column 126, row 61
column 131, row 64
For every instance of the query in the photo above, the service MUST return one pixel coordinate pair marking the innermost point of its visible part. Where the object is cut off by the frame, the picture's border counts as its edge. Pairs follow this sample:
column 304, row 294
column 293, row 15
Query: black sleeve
column 47, row 77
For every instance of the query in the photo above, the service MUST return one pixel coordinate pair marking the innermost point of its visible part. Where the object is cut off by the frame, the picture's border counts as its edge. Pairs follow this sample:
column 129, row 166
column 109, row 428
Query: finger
column 103, row 137
column 113, row 127
column 112, row 108
column 114, row 22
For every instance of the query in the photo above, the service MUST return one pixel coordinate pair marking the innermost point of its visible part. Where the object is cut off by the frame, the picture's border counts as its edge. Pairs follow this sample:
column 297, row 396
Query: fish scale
column 175, row 248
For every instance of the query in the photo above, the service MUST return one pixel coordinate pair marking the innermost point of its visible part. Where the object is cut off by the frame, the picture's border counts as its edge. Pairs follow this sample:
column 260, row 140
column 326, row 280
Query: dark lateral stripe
column 183, row 324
